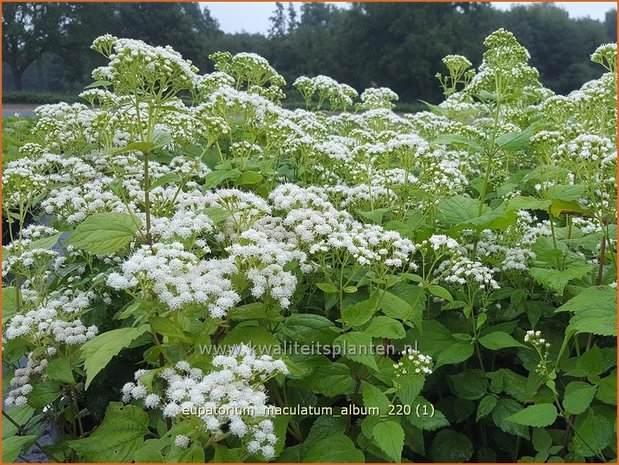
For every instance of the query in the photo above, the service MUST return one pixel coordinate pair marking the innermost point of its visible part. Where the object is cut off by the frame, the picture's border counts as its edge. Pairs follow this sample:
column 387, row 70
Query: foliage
column 399, row 45
column 437, row 286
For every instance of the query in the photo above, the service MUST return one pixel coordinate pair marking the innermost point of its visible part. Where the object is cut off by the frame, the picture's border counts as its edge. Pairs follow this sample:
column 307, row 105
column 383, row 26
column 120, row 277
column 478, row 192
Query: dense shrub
column 437, row 286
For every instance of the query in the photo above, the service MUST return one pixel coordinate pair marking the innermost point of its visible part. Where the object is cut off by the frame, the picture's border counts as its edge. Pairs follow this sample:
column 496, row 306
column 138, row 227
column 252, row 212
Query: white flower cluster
column 413, row 363
column 131, row 57
column 232, row 394
column 535, row 338
column 21, row 383
column 462, row 270
column 178, row 278
column 378, row 97
column 56, row 320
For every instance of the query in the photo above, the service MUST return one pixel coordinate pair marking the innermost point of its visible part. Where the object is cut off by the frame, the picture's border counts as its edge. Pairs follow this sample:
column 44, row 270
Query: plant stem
column 20, row 430
column 149, row 239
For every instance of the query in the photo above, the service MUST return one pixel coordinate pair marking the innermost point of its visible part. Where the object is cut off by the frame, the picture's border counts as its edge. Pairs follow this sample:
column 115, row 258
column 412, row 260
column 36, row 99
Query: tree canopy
column 399, row 45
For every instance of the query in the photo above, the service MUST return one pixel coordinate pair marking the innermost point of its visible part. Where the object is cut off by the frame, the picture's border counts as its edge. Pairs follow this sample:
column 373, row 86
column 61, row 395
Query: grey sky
column 254, row 16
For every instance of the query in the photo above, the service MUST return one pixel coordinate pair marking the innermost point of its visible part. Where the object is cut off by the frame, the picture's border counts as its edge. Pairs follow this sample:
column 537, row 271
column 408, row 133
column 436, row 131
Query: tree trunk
column 17, row 74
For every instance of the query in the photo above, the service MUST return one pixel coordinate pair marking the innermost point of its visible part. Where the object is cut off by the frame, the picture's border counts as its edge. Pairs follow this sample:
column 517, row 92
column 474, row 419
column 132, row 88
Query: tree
column 278, row 21
column 292, row 17
column 611, row 24
column 29, row 30
column 316, row 14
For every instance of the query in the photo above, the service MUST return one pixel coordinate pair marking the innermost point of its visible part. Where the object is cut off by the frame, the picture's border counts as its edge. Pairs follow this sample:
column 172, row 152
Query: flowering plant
column 169, row 236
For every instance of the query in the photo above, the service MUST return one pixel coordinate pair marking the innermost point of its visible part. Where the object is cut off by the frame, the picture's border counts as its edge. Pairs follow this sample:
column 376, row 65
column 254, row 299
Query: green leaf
column 254, row 311
column 440, row 291
column 248, row 178
column 170, row 178
column 486, row 405
column 527, row 203
column 383, row 326
column 457, row 139
column 455, row 353
column 556, row 280
column 469, row 384
column 607, row 389
column 593, row 434
column 327, row 287
column 458, row 209
column 451, row 446
column 104, row 233
column 43, row 394
column 514, row 141
column 98, row 352
column 503, row 410
column 100, row 83
column 215, row 178
column 427, row 422
column 245, row 333
column 217, row 215
column 389, row 437
column 542, row 441
column 374, row 397
column 578, row 396
column 143, row 147
column 307, row 328
column 167, row 327
column 329, row 379
column 118, row 437
column 8, row 303
column 410, row 387
column 45, row 243
column 161, row 137
column 594, row 311
column 560, row 207
column 60, row 370
column 339, row 448
column 11, row 447
column 535, row 415
column 357, row 346
column 410, row 309
column 499, row 340
column 565, row 192
column 360, row 313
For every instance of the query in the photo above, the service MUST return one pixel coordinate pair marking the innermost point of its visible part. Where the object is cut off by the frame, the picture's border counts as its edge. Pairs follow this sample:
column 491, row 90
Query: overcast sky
column 254, row 16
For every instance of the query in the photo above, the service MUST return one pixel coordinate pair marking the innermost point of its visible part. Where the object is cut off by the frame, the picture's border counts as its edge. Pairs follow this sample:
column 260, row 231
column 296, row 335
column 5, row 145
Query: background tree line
column 400, row 45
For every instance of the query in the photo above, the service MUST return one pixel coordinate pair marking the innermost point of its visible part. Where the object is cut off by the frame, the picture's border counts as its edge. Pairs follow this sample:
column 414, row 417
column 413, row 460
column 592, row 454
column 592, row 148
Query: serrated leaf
column 217, row 215
column 248, row 178
column 469, row 384
column 455, row 353
column 11, row 447
column 98, row 352
column 374, row 397
column 104, row 233
column 59, row 369
column 118, row 437
column 339, row 448
column 389, row 437
column 515, row 140
column 383, row 326
column 357, row 346
column 535, row 415
column 450, row 446
column 593, row 434
column 215, row 178
column 309, row 329
column 578, row 396
column 527, row 203
column 486, row 406
column 361, row 312
column 459, row 209
column 499, row 340
column 440, row 291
